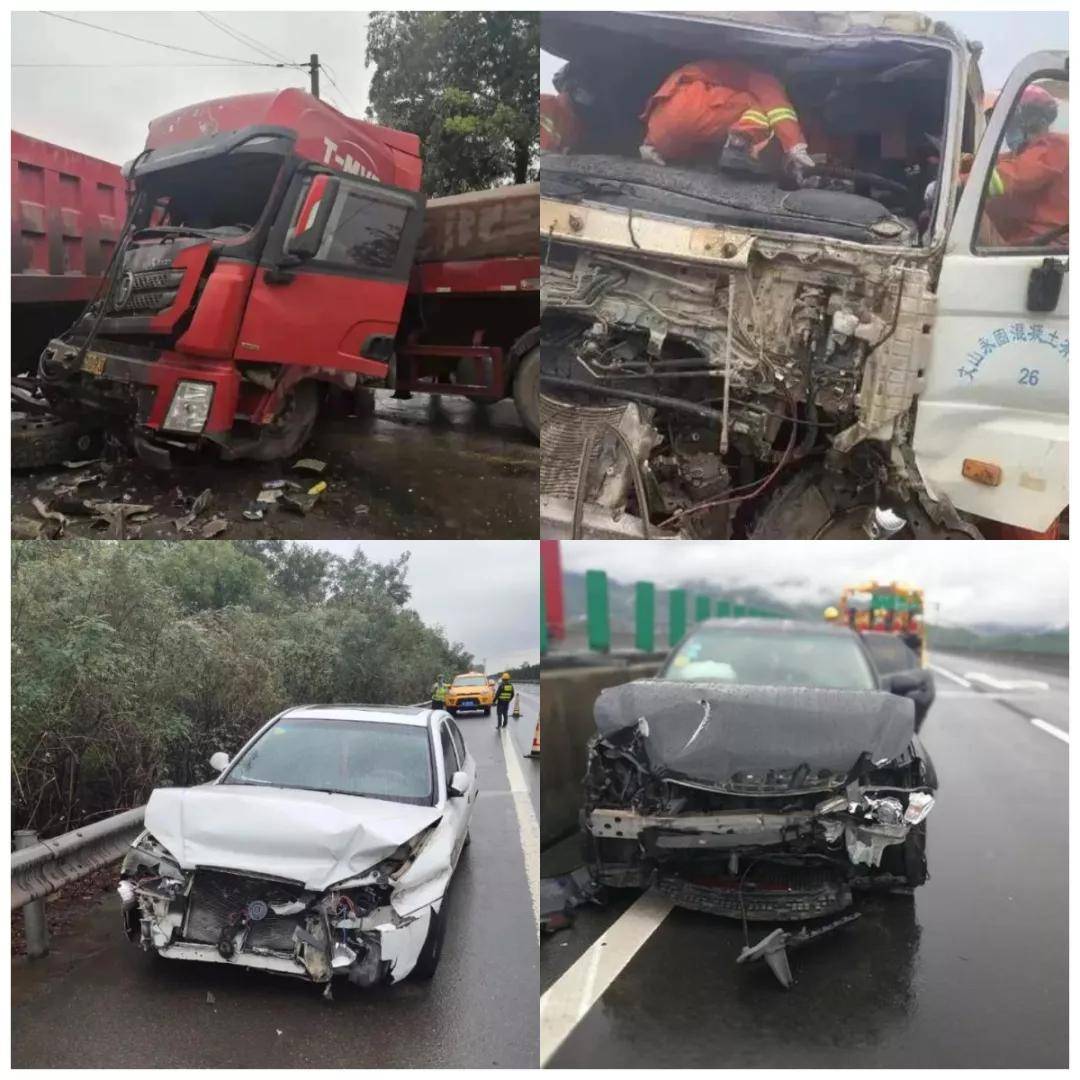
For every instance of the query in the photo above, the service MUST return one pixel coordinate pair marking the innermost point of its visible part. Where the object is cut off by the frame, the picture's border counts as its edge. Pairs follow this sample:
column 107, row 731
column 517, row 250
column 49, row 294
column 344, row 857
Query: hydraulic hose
column 659, row 401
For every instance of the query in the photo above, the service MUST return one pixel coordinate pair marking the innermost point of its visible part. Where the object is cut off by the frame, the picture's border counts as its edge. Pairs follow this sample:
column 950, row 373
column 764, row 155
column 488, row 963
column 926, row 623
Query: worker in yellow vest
column 438, row 694
column 504, row 694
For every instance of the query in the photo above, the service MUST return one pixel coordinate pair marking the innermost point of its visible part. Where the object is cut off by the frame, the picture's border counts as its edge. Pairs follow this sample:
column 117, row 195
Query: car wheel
column 431, row 953
column 915, row 868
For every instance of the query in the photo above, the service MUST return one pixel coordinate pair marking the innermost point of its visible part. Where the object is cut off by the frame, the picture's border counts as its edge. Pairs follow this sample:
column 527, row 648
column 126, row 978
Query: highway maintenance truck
column 894, row 609
column 274, row 248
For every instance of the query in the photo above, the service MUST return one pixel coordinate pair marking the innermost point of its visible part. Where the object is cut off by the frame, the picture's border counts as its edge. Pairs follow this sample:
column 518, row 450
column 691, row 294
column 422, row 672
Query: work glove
column 796, row 161
column 649, row 153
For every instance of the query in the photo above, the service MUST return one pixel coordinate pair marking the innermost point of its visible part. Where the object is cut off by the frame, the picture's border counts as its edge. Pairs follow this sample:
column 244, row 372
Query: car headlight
column 147, row 855
column 190, row 407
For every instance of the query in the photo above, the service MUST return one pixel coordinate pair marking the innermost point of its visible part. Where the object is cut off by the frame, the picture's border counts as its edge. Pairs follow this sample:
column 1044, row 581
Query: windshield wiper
column 171, row 230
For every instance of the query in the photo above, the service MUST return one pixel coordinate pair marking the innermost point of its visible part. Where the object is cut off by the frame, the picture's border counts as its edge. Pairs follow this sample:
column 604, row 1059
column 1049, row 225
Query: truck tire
column 527, row 391
column 38, row 441
column 287, row 432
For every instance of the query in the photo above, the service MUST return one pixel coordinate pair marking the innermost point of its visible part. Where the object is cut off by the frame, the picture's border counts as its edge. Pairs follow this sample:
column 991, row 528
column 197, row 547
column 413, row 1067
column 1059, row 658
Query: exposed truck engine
column 728, row 355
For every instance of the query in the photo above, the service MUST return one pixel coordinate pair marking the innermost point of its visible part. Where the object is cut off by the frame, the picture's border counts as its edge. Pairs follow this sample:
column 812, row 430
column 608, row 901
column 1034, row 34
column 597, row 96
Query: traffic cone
column 535, row 751
column 517, row 707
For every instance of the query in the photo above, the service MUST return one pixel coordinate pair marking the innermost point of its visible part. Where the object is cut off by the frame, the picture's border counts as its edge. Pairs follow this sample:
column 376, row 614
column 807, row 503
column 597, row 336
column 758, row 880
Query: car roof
column 412, row 715
column 776, row 626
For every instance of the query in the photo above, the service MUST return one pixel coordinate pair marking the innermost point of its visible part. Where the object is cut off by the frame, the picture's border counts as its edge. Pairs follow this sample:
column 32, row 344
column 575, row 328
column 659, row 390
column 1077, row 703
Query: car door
column 340, row 305
column 468, row 766
column 457, row 810
column 991, row 431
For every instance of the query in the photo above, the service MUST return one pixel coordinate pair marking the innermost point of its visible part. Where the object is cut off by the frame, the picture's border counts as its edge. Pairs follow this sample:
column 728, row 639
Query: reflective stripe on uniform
column 752, row 116
column 781, row 113
column 997, row 185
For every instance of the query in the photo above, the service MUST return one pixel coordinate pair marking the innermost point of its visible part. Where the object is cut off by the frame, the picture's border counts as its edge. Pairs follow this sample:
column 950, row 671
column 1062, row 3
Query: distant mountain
column 987, row 636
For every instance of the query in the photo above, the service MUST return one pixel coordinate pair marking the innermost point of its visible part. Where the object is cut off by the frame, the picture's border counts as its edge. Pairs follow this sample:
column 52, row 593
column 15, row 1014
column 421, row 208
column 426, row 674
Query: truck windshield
column 227, row 195
column 348, row 757
column 785, row 658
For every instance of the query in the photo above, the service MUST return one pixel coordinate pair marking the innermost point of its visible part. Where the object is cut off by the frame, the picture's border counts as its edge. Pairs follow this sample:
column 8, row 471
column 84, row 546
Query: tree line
column 132, row 662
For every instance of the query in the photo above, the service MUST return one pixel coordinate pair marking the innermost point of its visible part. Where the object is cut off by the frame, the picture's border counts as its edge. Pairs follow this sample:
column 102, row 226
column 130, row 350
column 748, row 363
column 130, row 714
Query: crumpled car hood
column 745, row 738
column 309, row 836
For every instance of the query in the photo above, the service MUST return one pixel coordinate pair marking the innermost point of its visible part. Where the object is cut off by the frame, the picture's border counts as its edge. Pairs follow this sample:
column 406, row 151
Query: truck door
column 331, row 285
column 992, row 425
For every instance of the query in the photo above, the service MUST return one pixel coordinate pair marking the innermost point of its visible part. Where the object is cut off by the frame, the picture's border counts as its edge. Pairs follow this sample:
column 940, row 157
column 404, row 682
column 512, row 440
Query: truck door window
column 1025, row 204
column 365, row 229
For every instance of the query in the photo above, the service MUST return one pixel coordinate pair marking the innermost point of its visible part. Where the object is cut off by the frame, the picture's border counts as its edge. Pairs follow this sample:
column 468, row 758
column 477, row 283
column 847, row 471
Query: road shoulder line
column 566, row 1002
column 951, row 675
column 528, row 827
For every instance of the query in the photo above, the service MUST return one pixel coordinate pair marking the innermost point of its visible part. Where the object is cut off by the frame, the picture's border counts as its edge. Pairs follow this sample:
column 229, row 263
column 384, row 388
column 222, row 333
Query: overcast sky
column 484, row 593
column 1021, row 583
column 104, row 109
column 1007, row 37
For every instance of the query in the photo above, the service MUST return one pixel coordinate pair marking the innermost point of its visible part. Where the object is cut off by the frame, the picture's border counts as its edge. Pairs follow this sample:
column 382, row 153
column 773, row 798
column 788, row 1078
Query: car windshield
column 800, row 657
column 470, row 680
column 350, row 757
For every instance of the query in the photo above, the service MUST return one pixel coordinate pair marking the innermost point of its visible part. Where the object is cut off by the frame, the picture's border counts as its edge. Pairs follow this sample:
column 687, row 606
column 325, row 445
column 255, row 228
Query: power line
column 162, row 45
column 251, row 44
column 239, row 65
column 274, row 54
column 334, row 84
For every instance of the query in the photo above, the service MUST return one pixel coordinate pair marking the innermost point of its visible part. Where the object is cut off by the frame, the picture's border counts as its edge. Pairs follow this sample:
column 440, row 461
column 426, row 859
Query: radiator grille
column 563, row 431
column 218, row 898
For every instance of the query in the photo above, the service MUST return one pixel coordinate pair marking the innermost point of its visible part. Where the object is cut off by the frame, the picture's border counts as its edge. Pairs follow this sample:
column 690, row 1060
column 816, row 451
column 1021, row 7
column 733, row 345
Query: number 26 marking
column 1029, row 377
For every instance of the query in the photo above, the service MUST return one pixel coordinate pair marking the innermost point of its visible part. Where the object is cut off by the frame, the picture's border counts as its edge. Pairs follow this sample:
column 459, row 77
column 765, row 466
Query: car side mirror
column 313, row 218
column 220, row 761
column 905, row 683
column 459, row 785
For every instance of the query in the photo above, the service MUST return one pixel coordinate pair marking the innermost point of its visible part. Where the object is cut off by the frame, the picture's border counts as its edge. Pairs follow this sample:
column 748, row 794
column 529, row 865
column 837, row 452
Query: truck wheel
column 527, row 391
column 288, row 431
column 38, row 441
column 431, row 953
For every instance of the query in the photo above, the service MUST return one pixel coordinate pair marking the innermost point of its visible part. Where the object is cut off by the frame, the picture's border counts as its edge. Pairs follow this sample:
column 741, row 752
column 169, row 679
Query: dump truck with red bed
column 274, row 248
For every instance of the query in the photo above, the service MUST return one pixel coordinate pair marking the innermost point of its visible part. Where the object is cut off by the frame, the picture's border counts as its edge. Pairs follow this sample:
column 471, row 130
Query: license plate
column 94, row 363
column 468, row 703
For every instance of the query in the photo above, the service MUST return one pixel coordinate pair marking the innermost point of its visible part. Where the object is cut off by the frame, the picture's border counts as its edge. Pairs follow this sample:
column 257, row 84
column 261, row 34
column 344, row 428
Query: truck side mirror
column 313, row 217
column 219, row 762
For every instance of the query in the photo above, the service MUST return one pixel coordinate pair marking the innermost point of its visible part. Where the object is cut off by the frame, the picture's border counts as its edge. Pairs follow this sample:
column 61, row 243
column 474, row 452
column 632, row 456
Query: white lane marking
column 1042, row 725
column 1006, row 684
column 950, row 675
column 573, row 994
column 527, row 824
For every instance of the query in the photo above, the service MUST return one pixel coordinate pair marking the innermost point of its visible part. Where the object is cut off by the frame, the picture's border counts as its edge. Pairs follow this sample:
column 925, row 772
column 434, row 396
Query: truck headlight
column 190, row 407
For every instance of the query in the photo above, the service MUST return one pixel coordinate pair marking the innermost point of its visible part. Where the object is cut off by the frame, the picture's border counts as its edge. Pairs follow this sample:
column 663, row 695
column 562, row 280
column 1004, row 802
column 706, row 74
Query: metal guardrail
column 40, row 867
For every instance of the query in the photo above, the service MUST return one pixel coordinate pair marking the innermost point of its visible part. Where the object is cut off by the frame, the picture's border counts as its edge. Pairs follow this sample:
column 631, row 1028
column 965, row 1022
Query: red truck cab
column 268, row 251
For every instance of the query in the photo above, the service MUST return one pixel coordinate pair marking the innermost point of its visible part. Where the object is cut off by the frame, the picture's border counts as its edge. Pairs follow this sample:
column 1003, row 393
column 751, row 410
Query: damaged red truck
column 274, row 247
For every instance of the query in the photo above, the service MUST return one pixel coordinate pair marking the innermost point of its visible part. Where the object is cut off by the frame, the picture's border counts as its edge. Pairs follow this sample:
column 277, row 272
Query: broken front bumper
column 272, row 925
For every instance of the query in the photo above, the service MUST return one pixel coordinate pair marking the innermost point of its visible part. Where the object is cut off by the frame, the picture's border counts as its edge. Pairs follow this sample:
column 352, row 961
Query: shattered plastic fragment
column 317, row 489
column 202, row 501
column 214, row 528
column 919, row 805
column 312, row 465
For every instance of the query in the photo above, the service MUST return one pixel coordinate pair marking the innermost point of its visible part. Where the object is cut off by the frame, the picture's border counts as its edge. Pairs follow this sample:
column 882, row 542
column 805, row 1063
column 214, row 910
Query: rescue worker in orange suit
column 722, row 106
column 1028, row 194
column 504, row 694
column 560, row 127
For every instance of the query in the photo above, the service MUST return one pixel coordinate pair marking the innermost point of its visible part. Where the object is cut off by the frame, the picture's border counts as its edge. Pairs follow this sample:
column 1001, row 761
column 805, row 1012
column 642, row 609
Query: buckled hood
column 754, row 738
column 310, row 836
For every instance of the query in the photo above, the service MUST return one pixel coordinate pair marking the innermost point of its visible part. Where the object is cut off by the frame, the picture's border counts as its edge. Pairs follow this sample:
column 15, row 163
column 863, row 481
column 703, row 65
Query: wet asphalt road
column 98, row 1002
column 427, row 468
column 971, row 972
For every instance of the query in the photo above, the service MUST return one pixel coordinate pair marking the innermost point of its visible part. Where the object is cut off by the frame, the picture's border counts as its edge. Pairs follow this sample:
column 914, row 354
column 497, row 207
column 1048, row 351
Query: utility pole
column 314, row 68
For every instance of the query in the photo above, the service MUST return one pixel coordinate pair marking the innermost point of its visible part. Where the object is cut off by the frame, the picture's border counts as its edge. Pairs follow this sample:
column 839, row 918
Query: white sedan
column 325, row 847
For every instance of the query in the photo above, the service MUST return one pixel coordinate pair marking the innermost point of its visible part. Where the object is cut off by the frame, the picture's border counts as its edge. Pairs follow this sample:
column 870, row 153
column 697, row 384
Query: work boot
column 737, row 155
